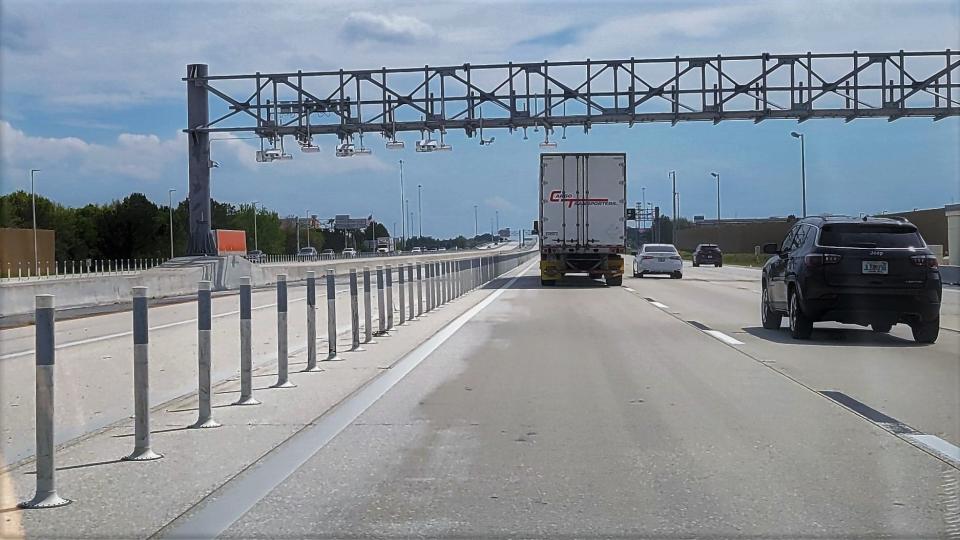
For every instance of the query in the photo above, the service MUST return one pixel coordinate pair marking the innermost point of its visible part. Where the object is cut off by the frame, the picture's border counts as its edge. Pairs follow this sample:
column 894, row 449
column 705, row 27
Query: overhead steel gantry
column 551, row 95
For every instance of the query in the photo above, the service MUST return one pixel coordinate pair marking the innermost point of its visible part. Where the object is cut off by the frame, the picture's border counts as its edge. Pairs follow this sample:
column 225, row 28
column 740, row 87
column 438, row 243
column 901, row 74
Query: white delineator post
column 46, row 495
column 354, row 313
column 380, row 304
column 367, row 307
column 402, row 294
column 312, row 322
column 141, row 380
column 389, row 274
column 419, row 289
column 410, row 292
column 331, row 316
column 283, row 377
column 204, row 357
column 246, row 344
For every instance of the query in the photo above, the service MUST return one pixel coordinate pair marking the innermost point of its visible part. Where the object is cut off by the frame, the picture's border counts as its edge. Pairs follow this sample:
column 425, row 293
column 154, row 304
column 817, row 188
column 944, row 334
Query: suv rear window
column 709, row 247
column 870, row 236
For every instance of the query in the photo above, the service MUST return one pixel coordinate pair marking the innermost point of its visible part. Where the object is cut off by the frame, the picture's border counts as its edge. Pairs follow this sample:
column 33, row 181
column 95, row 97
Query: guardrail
column 76, row 268
column 446, row 280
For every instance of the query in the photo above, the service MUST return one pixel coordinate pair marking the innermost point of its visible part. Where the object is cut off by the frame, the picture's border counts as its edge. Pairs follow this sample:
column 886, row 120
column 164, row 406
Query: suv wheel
column 926, row 331
column 771, row 319
column 881, row 328
column 800, row 325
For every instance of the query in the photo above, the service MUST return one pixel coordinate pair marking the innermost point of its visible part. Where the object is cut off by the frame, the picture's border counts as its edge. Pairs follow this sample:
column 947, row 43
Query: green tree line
column 135, row 227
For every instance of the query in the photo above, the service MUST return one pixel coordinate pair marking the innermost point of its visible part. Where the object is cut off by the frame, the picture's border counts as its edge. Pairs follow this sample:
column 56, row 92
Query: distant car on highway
column 307, row 254
column 657, row 259
column 327, row 254
column 349, row 252
column 416, row 250
column 443, row 249
column 382, row 251
column 707, row 254
column 866, row 271
column 256, row 256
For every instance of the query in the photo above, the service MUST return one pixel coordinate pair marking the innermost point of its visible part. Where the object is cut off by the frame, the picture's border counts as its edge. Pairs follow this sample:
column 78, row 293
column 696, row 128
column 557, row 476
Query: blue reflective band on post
column 245, row 308
column 331, row 291
column 282, row 296
column 140, row 331
column 311, row 291
column 44, row 336
column 203, row 310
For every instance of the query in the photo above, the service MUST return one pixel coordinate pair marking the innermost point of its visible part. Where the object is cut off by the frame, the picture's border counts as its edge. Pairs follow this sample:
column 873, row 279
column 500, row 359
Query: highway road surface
column 656, row 409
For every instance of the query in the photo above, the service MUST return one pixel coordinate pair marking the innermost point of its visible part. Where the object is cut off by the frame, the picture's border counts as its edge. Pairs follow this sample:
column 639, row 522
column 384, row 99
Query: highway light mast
column 717, row 176
column 803, row 169
column 33, row 204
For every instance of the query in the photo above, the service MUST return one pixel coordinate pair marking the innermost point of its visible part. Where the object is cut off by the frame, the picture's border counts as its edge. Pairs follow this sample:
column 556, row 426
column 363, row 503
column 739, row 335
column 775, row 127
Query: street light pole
column 420, row 212
column 673, row 201
column 255, row 243
column 476, row 227
column 803, row 168
column 643, row 203
column 170, row 193
column 717, row 176
column 307, row 212
column 403, row 212
column 33, row 203
column 497, row 212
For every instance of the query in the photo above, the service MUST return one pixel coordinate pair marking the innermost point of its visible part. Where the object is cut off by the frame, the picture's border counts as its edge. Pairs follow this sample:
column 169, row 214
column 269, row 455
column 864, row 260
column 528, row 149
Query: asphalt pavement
column 650, row 410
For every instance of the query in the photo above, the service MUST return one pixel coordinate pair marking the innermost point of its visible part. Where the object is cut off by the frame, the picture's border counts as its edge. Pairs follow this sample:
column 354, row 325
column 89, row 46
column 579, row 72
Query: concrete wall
column 179, row 277
column 932, row 224
column 16, row 246
column 734, row 237
column 741, row 238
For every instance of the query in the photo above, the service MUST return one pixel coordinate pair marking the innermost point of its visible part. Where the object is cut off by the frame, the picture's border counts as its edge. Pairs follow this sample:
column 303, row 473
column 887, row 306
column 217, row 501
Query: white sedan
column 658, row 259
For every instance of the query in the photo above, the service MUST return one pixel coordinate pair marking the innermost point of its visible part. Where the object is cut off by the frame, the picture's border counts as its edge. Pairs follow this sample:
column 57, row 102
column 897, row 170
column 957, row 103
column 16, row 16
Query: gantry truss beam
column 853, row 85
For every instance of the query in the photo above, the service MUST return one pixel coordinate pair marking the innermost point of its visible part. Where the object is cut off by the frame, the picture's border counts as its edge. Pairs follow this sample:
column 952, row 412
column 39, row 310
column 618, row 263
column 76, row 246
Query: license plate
column 874, row 267
column 660, row 259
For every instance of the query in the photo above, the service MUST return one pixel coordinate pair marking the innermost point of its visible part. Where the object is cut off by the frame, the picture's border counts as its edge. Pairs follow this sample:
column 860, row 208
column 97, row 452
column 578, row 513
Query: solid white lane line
column 222, row 508
column 629, row 289
column 723, row 337
column 936, row 445
column 659, row 305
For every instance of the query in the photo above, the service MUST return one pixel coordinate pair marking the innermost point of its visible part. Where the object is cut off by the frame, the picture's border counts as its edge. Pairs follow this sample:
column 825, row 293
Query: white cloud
column 389, row 29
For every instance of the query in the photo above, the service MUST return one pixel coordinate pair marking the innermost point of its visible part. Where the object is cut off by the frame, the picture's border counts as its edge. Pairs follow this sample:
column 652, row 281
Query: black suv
column 867, row 271
column 708, row 254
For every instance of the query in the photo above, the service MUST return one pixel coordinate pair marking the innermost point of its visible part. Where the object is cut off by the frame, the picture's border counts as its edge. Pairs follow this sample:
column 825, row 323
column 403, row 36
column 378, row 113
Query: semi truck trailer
column 582, row 227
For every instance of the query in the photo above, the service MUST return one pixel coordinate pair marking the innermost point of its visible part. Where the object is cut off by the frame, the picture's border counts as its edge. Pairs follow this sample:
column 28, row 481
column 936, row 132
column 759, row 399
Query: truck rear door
column 583, row 201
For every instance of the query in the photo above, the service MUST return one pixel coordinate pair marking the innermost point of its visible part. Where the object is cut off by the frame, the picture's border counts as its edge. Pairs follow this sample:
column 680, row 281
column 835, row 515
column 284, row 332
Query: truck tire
column 615, row 281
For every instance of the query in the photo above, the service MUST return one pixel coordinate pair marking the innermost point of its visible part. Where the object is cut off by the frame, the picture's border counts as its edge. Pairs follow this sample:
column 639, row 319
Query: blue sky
column 91, row 94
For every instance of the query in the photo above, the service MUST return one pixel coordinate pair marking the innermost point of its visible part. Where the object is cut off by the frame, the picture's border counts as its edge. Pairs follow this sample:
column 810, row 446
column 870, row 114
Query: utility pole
column 643, row 204
column 170, row 193
column 298, row 234
column 33, row 203
column 408, row 219
column 420, row 211
column 476, row 230
column 497, row 212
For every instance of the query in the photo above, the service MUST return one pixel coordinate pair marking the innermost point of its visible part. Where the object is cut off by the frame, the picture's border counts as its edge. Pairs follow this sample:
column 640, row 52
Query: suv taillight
column 930, row 261
column 820, row 259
